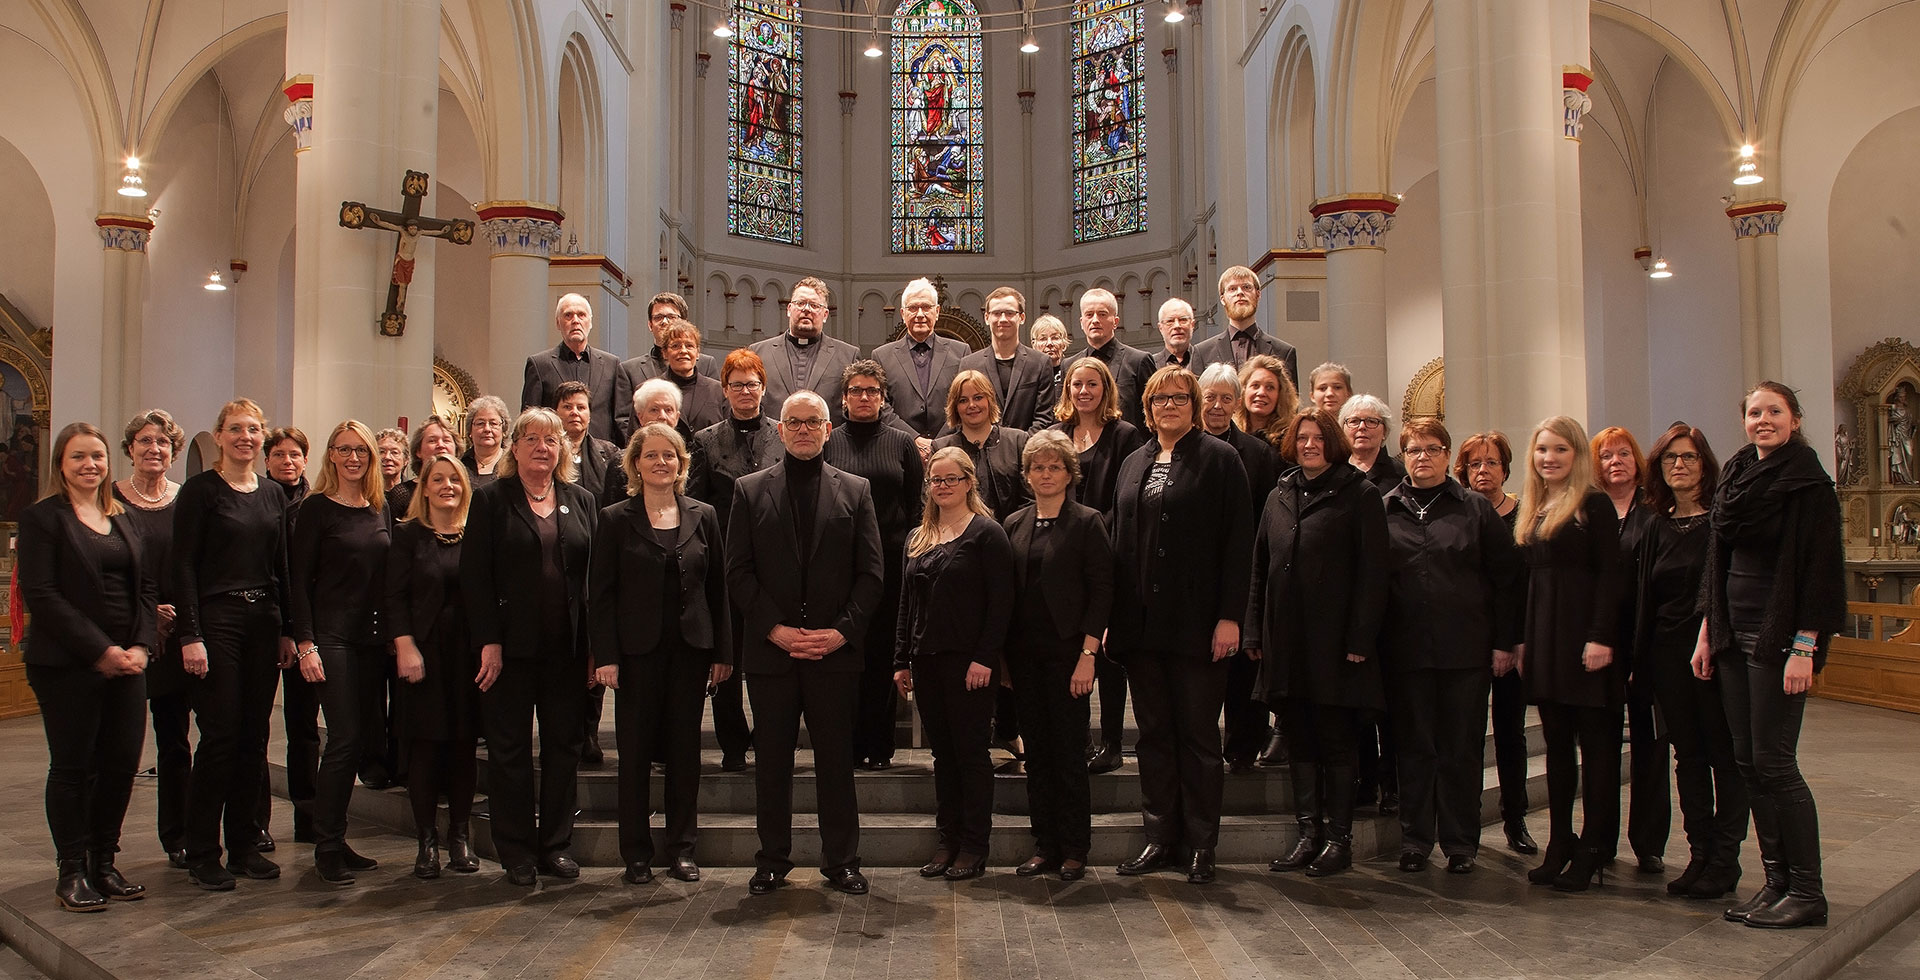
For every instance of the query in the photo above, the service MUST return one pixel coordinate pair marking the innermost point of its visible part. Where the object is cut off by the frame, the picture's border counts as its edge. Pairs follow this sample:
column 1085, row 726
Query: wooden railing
column 1879, row 662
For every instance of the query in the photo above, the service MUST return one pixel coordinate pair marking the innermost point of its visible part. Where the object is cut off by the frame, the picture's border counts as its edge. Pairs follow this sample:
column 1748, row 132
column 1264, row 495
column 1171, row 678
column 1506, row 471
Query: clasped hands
column 806, row 644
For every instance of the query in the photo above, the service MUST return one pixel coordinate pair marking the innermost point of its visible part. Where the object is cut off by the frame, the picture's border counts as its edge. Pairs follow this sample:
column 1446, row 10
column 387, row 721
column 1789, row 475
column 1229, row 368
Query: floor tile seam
column 1474, row 935
column 466, row 933
column 1416, row 944
column 1185, row 939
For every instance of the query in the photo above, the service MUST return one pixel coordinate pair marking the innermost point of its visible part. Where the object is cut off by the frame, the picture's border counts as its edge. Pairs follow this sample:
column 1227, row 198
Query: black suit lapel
column 70, row 523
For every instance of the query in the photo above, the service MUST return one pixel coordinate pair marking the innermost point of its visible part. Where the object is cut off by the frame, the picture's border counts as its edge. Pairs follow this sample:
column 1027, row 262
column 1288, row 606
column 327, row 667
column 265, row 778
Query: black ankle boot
column 1682, row 883
column 1805, row 903
column 1589, row 864
column 1304, row 850
column 460, row 856
column 74, row 891
column 1306, row 810
column 426, row 864
column 107, row 880
column 1559, row 855
column 1336, row 857
column 1773, row 860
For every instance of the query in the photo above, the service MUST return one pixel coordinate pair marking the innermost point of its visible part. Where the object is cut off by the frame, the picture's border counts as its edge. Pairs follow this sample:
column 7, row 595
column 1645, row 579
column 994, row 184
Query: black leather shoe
column 637, row 873
column 253, row 866
column 1519, row 840
column 1413, row 861
column 684, row 869
column 376, row 776
column 332, row 867
column 1304, row 850
column 1152, row 858
column 1240, row 765
column 592, row 756
column 938, row 864
column 1652, row 864
column 559, row 865
column 1039, row 864
column 426, row 861
column 1459, row 864
column 460, row 856
column 1275, row 754
column 848, row 881
column 1791, row 912
column 264, row 843
column 764, row 882
column 876, row 765
column 1715, row 882
column 1071, row 870
column 210, row 876
column 107, row 880
column 1200, row 871
column 177, row 858
column 967, row 866
column 1335, row 858
column 74, row 892
column 1106, row 758
column 521, row 874
column 357, row 861
column 733, row 763
column 1389, row 804
column 1679, row 884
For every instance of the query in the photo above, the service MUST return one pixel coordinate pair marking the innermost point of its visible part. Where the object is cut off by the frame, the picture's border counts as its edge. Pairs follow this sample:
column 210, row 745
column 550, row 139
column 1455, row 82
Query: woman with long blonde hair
column 1567, row 530
column 957, row 601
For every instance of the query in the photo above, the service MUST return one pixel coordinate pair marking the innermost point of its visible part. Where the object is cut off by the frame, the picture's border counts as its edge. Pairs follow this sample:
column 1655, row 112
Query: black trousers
column 826, row 700
column 1764, row 724
column 1247, row 729
column 173, row 765
column 878, row 715
column 353, row 696
column 1177, row 699
column 233, row 706
column 1713, row 794
column 1055, row 723
column 729, row 715
column 1375, row 767
column 300, row 712
column 550, row 687
column 96, row 727
column 656, row 714
column 1439, row 726
column 1650, row 781
column 1594, row 778
column 1110, row 676
column 959, row 726
column 1510, row 743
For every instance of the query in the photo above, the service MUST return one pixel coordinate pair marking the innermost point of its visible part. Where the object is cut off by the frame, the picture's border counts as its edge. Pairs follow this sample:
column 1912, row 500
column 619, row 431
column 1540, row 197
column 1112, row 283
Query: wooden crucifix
column 411, row 228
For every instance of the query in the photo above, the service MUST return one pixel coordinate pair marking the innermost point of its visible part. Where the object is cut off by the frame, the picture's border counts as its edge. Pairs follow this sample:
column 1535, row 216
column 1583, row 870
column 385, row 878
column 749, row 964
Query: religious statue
column 1904, row 528
column 1846, row 456
column 411, row 228
column 1900, row 434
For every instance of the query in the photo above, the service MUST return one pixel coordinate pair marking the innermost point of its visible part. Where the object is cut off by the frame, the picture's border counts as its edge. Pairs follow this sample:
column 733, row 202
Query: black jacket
column 1454, row 584
column 721, row 456
column 631, row 373
column 500, row 565
column 969, row 607
column 1262, row 463
column 1177, row 576
column 1319, row 589
column 836, row 585
column 626, row 581
column 1219, row 350
column 1573, row 599
column 1386, row 474
column 544, row 377
column 60, row 583
column 590, row 464
column 996, row 462
column 925, row 410
column 828, row 365
column 1076, row 570
column 413, row 602
column 1131, row 368
column 1100, row 465
column 1028, row 402
column 1809, row 577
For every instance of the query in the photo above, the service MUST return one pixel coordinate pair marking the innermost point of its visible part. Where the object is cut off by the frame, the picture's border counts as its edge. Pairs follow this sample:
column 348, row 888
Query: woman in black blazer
column 661, row 636
column 439, row 706
column 92, row 603
column 1064, row 565
column 1182, row 540
column 956, row 602
column 523, row 575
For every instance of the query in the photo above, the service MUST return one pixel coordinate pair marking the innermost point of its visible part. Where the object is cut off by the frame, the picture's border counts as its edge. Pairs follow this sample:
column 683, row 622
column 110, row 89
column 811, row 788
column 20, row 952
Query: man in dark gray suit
column 1131, row 367
column 921, row 364
column 1022, row 377
column 1240, row 298
column 663, row 311
column 573, row 360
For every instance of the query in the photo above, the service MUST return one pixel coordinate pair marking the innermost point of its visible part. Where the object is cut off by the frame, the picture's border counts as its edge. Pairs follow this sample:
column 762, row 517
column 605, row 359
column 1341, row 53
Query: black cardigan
column 61, row 586
column 1809, row 581
column 626, row 577
column 971, row 605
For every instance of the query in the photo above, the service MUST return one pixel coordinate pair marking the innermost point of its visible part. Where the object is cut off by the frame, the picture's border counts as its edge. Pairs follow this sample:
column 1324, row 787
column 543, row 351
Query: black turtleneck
column 745, row 427
column 295, row 492
column 803, row 480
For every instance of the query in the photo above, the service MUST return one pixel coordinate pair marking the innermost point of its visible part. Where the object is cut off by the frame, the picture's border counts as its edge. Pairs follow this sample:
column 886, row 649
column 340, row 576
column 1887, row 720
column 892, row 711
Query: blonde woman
column 338, row 559
column 957, row 601
column 1567, row 530
column 1267, row 400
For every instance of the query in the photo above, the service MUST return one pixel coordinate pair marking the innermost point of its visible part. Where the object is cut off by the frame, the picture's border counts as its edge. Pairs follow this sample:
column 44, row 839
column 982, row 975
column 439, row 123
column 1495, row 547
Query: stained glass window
column 763, row 104
column 939, row 158
column 1109, row 127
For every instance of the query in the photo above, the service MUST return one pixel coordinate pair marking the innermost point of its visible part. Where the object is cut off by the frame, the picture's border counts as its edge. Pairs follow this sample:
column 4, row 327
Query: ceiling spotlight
column 1028, row 45
column 213, row 284
column 873, row 46
column 1176, row 11
column 1749, row 171
column 130, row 183
column 1660, row 270
column 722, row 30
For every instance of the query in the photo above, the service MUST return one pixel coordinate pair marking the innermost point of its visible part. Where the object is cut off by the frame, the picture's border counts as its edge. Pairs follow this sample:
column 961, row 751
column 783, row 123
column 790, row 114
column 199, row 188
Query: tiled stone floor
column 1372, row 923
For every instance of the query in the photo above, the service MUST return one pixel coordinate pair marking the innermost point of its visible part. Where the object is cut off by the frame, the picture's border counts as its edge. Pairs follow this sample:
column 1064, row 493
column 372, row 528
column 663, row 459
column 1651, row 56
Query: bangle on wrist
column 1799, row 652
column 308, row 652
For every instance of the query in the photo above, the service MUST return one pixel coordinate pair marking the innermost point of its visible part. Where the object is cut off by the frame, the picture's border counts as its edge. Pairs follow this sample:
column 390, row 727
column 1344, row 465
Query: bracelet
column 1799, row 652
column 1088, row 653
column 304, row 654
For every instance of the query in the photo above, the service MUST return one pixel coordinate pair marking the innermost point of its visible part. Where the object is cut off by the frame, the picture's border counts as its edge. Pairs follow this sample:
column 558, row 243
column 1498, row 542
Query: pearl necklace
column 134, row 485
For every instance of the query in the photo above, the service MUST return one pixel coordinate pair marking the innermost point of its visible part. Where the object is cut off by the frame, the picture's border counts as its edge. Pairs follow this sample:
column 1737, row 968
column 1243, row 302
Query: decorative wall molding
column 299, row 112
column 520, row 227
column 1353, row 220
column 124, row 232
column 1575, row 103
column 1752, row 219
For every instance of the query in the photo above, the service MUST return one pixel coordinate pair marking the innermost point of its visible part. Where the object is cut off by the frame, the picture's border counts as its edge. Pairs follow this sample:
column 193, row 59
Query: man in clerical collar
column 1176, row 336
column 573, row 359
column 1099, row 318
column 1240, row 299
column 805, row 358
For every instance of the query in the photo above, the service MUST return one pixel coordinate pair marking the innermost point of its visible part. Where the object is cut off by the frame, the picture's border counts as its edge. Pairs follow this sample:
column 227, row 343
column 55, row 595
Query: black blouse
column 958, row 598
column 115, row 560
column 338, row 565
column 225, row 541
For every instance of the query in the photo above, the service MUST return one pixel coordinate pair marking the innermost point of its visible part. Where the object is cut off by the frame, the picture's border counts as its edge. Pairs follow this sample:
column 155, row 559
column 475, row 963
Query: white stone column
column 374, row 115
column 1353, row 229
column 123, row 271
column 522, row 237
column 1756, row 233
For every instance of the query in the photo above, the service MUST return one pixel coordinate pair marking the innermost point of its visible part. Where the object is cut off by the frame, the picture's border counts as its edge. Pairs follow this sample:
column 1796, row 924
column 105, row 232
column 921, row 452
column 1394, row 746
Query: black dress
column 424, row 601
column 1572, row 590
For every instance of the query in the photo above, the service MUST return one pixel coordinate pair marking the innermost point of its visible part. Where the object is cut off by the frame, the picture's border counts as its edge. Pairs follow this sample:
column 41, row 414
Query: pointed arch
column 765, row 174
column 939, row 146
column 581, row 125
column 1109, row 120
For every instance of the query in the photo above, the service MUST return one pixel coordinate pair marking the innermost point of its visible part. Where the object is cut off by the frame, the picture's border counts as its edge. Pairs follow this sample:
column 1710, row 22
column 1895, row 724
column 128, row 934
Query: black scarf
column 1754, row 490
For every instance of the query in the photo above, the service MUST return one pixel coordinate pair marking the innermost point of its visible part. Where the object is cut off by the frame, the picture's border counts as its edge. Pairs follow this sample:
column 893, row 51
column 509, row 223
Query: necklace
column 161, row 498
column 1420, row 509
column 538, row 497
column 448, row 537
column 950, row 531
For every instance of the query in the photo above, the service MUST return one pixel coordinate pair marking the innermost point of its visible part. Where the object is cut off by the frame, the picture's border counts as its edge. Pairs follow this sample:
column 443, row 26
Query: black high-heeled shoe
column 1588, row 868
column 1559, row 855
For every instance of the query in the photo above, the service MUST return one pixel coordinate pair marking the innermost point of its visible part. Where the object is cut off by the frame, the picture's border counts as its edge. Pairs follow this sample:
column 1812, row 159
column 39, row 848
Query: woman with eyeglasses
column 949, row 642
column 487, row 419
column 1313, row 620
column 1182, row 533
column 338, row 566
column 973, row 412
column 1773, row 595
column 745, row 442
column 1453, row 605
column 1681, row 479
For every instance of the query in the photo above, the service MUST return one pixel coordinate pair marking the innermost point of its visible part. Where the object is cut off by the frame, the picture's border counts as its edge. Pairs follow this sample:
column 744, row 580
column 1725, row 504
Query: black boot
column 1682, row 883
column 1773, row 861
column 107, row 880
column 1723, row 867
column 426, row 864
column 1105, row 758
column 74, row 891
column 1805, row 903
column 1306, row 809
column 1275, row 754
column 1589, row 865
column 460, row 856
column 1337, row 856
column 1559, row 855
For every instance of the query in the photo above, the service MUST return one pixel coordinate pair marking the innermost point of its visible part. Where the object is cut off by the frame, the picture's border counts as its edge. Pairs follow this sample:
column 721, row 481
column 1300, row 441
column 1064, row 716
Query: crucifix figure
column 411, row 228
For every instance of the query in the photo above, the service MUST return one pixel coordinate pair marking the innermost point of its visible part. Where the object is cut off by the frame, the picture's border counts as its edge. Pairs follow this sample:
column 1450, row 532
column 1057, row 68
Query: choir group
column 994, row 534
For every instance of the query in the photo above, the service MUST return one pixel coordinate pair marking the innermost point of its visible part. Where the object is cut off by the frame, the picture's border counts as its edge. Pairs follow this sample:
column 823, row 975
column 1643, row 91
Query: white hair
column 561, row 304
column 1219, row 374
column 656, row 386
column 920, row 285
column 1366, row 403
column 1099, row 295
column 807, row 397
column 1175, row 303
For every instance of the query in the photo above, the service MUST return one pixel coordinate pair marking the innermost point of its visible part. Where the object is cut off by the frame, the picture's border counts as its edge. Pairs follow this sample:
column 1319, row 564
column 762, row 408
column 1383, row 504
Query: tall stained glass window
column 1109, row 120
column 939, row 158
column 763, row 105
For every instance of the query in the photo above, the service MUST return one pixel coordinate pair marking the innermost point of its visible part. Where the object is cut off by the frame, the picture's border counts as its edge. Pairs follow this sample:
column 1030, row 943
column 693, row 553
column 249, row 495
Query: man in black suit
column 1022, row 377
column 573, row 360
column 1131, row 367
column 663, row 311
column 805, row 570
column 805, row 358
column 1240, row 297
column 921, row 364
column 1176, row 337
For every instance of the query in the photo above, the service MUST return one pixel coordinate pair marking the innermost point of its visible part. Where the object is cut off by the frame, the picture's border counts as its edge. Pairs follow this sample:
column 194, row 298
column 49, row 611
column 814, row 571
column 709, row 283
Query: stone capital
column 1575, row 103
column 519, row 228
column 1752, row 219
column 124, row 232
column 1353, row 220
column 299, row 111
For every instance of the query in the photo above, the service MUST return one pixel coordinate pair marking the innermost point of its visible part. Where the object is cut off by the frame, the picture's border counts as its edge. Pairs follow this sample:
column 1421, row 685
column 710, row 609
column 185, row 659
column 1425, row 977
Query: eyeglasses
column 1168, row 321
column 921, row 308
column 863, row 391
column 804, row 425
column 360, row 452
column 1427, row 452
column 1669, row 459
column 745, row 385
column 1485, row 464
column 664, row 317
column 1358, row 422
column 944, row 482
column 1180, row 400
column 684, row 346
column 809, row 306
